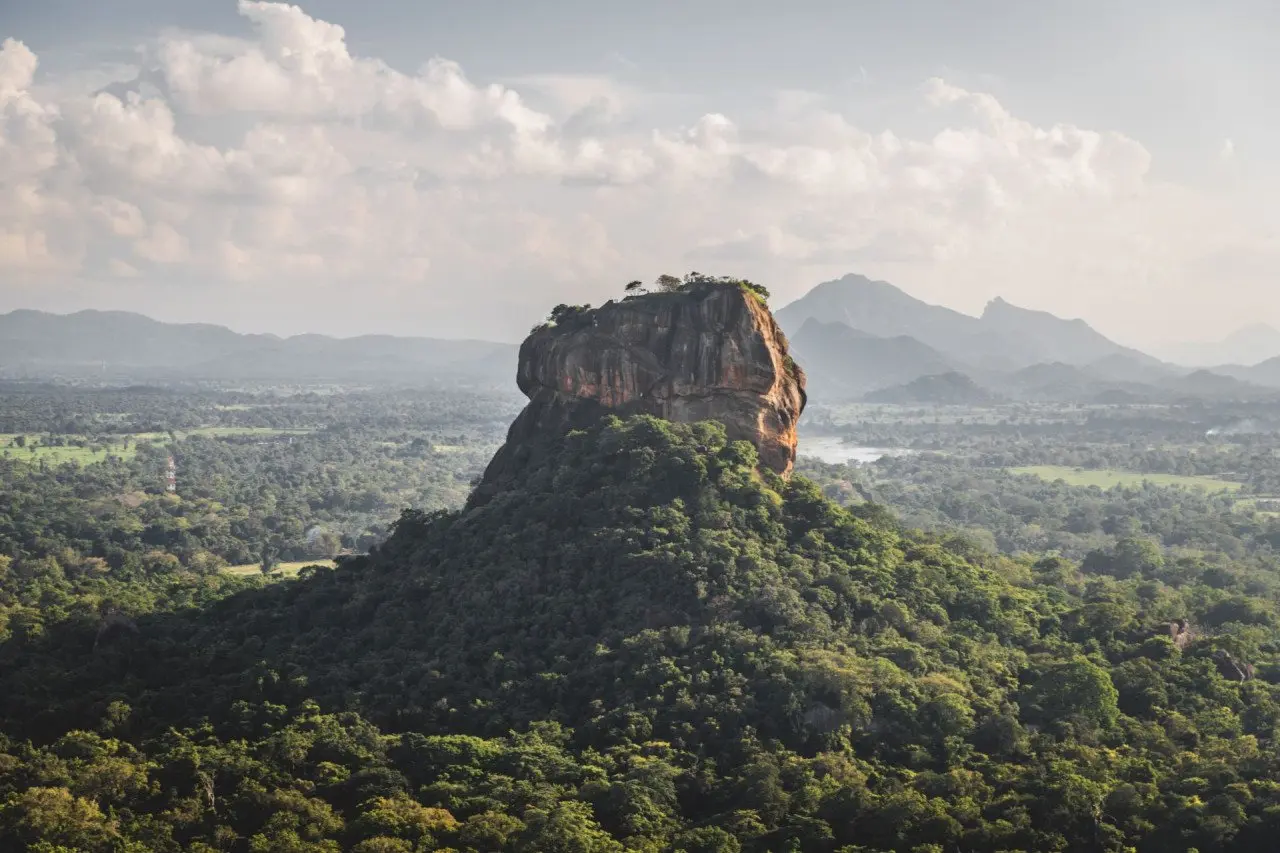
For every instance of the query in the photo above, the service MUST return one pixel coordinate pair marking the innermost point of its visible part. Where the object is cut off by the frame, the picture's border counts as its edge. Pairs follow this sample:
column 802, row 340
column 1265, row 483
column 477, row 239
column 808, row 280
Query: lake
column 832, row 449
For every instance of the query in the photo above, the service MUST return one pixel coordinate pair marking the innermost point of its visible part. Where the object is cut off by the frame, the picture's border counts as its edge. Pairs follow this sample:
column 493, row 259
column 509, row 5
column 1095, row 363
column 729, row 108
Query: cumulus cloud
column 300, row 67
column 297, row 173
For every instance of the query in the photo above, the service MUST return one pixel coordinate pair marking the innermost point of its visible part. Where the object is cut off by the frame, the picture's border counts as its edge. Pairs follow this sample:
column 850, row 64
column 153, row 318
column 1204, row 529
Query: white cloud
column 163, row 245
column 300, row 174
column 300, row 67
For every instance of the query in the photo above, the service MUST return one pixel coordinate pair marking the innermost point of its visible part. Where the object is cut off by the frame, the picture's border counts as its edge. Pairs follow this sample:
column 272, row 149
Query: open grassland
column 1106, row 478
column 84, row 450
column 286, row 569
column 1265, row 505
column 235, row 432
column 222, row 432
column 907, row 414
column 35, row 451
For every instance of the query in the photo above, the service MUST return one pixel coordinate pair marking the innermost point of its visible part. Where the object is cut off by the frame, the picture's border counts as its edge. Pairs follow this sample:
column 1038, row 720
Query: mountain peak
column 1005, row 337
column 1260, row 333
column 854, row 284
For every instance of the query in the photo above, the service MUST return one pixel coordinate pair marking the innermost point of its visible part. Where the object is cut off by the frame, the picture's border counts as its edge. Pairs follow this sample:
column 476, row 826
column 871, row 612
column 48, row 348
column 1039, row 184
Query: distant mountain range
column 854, row 336
column 842, row 362
column 1247, row 346
column 1005, row 337
column 862, row 338
column 119, row 344
column 940, row 389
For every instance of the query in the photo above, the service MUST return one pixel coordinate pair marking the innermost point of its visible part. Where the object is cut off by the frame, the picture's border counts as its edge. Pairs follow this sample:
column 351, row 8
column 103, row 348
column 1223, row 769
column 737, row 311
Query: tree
column 758, row 289
column 709, row 839
column 563, row 312
column 1134, row 556
column 634, row 286
column 266, row 558
column 55, row 815
column 566, row 827
column 668, row 283
column 1076, row 688
column 948, row 714
column 323, row 543
column 401, row 817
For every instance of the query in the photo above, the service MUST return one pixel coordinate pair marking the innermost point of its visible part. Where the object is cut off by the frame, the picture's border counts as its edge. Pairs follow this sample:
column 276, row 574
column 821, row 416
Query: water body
column 831, row 448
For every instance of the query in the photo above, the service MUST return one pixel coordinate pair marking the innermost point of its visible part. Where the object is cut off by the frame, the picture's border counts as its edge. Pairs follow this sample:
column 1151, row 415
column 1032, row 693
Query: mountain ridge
column 38, row 344
column 855, row 336
column 1003, row 337
column 842, row 328
column 1247, row 346
column 942, row 389
column 881, row 309
column 842, row 361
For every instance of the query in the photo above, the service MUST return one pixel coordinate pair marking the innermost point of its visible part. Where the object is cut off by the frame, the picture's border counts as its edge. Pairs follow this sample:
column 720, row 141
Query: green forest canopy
column 647, row 644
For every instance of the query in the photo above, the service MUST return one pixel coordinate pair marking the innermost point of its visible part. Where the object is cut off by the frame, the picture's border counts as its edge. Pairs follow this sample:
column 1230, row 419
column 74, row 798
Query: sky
column 418, row 167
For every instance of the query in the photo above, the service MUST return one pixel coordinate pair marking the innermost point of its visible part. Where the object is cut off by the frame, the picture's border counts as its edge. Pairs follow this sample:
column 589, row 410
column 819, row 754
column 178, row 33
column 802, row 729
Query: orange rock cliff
column 711, row 352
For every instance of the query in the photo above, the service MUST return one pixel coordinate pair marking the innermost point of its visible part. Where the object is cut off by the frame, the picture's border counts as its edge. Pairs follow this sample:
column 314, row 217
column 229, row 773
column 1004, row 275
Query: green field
column 227, row 432
column 287, row 569
column 114, row 445
column 1269, row 508
column 1106, row 478
column 58, row 455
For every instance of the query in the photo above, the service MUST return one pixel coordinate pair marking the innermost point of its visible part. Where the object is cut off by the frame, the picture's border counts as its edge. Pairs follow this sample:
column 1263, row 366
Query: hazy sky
column 454, row 169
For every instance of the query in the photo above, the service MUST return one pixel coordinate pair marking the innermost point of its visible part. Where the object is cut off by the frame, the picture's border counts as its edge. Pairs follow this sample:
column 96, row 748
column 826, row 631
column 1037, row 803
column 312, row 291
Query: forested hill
column 643, row 643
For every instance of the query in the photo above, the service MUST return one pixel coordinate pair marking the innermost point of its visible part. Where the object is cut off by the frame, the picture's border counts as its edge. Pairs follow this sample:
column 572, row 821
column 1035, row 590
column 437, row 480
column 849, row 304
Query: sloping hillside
column 643, row 643
column 942, row 389
column 843, row 363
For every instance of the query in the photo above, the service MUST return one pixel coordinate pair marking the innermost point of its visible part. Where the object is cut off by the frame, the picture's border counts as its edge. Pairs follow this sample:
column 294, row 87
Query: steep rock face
column 712, row 352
